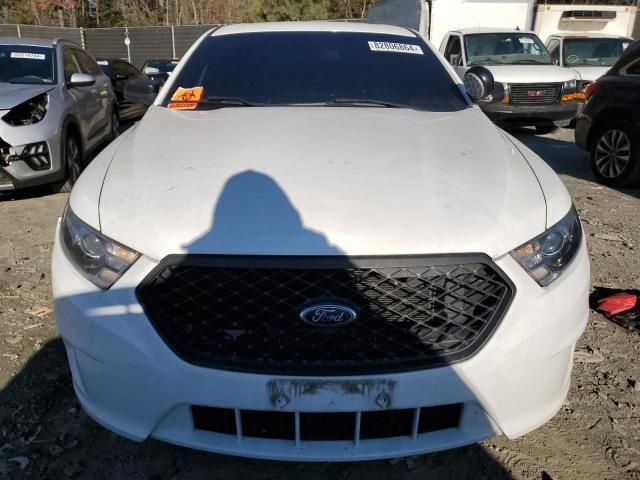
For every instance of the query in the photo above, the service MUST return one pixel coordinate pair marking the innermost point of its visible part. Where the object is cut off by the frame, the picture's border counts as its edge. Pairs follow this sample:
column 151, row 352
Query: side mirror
column 81, row 80
column 141, row 91
column 479, row 83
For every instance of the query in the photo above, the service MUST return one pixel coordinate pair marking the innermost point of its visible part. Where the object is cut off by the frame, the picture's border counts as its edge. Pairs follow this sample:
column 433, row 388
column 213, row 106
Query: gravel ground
column 45, row 434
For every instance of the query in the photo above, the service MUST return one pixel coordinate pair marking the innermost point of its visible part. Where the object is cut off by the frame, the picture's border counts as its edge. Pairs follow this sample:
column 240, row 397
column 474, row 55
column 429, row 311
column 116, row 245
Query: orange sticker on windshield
column 193, row 94
column 183, row 105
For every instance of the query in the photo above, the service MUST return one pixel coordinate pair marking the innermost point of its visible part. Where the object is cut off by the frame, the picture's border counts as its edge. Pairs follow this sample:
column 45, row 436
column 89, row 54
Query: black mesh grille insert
column 535, row 93
column 243, row 313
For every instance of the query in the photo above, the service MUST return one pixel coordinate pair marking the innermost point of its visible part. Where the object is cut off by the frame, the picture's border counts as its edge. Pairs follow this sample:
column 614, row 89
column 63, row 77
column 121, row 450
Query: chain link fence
column 144, row 42
column 36, row 31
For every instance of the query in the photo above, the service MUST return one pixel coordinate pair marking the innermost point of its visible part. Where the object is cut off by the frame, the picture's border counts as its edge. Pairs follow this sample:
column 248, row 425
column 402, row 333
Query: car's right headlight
column 548, row 255
column 29, row 112
column 99, row 259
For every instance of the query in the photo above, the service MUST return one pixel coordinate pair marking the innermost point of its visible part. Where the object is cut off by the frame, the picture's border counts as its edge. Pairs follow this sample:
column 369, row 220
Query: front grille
column 243, row 313
column 535, row 93
column 329, row 426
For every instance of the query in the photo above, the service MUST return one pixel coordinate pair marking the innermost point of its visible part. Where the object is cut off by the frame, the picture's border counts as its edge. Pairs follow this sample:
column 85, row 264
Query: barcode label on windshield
column 395, row 47
column 30, row 56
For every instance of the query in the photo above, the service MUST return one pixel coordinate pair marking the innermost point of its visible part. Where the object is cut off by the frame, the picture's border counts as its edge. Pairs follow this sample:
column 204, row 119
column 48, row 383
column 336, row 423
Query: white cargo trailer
column 612, row 20
column 434, row 18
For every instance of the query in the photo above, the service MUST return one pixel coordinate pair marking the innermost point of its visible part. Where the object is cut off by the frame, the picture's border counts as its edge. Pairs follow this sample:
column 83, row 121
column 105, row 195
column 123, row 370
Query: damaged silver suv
column 56, row 105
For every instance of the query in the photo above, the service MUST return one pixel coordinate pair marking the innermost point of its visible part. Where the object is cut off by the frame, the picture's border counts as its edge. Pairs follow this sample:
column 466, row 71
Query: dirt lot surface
column 45, row 434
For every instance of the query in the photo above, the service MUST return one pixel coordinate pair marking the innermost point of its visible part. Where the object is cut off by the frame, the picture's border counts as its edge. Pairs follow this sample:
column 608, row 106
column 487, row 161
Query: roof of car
column 312, row 27
column 587, row 35
column 471, row 31
column 35, row 42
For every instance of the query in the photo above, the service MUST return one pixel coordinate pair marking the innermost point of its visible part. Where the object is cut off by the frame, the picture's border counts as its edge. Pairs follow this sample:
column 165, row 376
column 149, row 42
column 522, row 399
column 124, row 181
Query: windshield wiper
column 365, row 102
column 530, row 62
column 223, row 102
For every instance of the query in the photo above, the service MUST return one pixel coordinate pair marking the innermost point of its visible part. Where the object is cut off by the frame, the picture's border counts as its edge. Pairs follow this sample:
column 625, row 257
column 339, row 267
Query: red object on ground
column 617, row 303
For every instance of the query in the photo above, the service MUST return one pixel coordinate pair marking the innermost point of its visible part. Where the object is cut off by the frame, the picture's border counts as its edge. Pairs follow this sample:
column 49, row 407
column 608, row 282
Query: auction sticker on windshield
column 30, row 56
column 395, row 47
column 186, row 98
column 192, row 94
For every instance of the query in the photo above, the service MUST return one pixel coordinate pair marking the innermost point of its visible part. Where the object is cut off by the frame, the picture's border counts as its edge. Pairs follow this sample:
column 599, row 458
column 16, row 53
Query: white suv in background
column 533, row 91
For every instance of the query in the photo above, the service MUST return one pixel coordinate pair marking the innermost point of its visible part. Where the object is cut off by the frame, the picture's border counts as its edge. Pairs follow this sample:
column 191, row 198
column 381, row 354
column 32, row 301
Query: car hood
column 12, row 94
column 590, row 73
column 319, row 181
column 531, row 73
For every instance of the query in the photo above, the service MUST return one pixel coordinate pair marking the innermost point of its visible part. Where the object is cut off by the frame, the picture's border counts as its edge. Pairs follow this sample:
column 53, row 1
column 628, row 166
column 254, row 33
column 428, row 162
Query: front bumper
column 18, row 174
column 128, row 380
column 531, row 115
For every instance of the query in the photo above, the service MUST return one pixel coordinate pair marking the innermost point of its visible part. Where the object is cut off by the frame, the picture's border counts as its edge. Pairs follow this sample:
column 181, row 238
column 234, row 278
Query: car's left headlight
column 99, row 259
column 548, row 255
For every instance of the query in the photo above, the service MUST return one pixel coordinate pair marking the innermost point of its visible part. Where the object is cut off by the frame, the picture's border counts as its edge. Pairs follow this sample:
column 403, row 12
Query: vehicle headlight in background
column 548, row 255
column 99, row 259
column 582, row 85
column 506, row 98
column 29, row 112
column 571, row 92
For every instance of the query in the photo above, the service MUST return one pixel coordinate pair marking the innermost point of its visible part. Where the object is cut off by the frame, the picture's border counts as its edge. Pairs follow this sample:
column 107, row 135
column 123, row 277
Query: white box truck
column 434, row 18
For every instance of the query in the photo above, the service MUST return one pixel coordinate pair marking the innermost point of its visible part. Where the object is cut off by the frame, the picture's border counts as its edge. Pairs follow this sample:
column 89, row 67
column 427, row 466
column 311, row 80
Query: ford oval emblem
column 328, row 314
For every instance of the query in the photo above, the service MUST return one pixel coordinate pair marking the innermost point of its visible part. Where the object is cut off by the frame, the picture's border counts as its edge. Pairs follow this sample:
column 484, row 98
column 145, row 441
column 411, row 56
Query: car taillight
column 591, row 89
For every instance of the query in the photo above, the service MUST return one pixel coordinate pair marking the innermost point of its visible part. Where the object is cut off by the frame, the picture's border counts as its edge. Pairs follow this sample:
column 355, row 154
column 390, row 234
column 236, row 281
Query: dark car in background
column 159, row 69
column 609, row 125
column 120, row 72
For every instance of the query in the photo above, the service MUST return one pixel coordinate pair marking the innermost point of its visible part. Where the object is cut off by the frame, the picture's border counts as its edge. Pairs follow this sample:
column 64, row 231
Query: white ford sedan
column 314, row 246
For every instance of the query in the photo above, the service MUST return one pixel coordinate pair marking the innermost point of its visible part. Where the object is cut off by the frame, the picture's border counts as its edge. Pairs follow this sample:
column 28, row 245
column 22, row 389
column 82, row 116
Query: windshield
column 27, row 64
column 317, row 68
column 153, row 67
column 505, row 49
column 104, row 66
column 600, row 52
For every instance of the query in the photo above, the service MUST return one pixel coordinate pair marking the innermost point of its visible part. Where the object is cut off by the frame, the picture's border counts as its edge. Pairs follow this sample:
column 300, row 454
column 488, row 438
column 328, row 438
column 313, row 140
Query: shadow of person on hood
column 253, row 215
